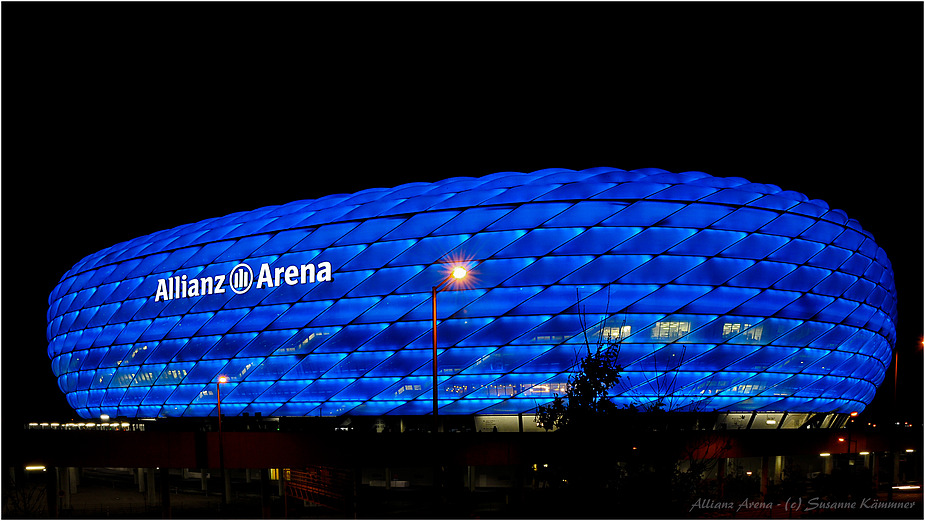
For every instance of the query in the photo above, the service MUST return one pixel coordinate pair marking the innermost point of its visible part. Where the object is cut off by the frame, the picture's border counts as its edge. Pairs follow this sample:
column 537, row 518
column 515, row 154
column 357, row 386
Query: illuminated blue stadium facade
column 722, row 294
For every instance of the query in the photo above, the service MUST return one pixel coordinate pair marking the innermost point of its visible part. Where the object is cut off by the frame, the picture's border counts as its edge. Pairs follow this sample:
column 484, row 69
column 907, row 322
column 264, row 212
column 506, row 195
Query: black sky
column 124, row 119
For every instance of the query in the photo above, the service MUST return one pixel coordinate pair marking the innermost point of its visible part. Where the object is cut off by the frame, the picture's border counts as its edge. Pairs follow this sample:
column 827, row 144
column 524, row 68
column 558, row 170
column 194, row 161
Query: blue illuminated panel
column 724, row 295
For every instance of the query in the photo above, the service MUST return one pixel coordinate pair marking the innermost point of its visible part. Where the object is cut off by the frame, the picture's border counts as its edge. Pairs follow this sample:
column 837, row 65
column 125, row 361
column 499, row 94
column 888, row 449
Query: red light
column 841, row 439
column 855, row 413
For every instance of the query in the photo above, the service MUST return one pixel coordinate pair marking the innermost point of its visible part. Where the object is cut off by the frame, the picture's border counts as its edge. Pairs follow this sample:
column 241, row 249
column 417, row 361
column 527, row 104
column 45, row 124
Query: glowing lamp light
column 222, row 379
column 865, row 453
column 854, row 413
column 910, row 450
column 459, row 272
column 825, row 454
column 841, row 439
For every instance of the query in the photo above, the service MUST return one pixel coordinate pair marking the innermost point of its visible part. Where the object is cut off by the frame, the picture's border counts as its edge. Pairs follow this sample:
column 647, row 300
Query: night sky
column 121, row 120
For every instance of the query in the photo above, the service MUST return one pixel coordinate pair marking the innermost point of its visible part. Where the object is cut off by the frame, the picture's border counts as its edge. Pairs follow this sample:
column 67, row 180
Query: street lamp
column 458, row 273
column 221, row 446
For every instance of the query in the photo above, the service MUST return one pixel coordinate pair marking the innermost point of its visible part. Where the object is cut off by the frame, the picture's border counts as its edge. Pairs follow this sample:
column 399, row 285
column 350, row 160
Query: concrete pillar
column 265, row 493
column 827, row 464
column 895, row 456
column 721, row 474
column 165, row 493
column 765, row 470
column 150, row 495
column 202, row 479
column 51, row 491
column 388, row 478
column 64, row 488
column 778, row 473
column 140, row 479
column 73, row 479
column 227, row 478
column 471, row 477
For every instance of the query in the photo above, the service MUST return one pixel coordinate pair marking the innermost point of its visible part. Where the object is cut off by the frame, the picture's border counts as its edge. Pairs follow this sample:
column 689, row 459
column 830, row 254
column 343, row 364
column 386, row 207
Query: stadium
column 721, row 295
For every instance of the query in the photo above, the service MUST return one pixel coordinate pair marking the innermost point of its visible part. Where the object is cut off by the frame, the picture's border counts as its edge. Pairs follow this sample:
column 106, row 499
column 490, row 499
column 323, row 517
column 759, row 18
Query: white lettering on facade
column 179, row 286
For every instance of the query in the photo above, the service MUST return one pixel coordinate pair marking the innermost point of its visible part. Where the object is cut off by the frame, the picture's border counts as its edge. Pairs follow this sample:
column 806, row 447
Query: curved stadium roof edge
column 769, row 300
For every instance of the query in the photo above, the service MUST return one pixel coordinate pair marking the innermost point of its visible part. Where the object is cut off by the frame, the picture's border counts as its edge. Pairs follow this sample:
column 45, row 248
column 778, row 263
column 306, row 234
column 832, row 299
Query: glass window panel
column 324, row 236
column 365, row 388
column 104, row 313
column 246, row 392
column 671, row 297
column 259, row 318
column 465, row 199
column 350, row 337
column 242, row 248
column 385, row 281
column 519, row 194
column 281, row 242
column 183, row 394
column 146, row 266
column 653, row 240
column 788, row 225
column 283, row 391
column 483, row 245
column 452, row 361
column 797, row 251
column 472, row 220
column 849, row 239
column 767, row 302
column 344, row 311
column 428, row 250
column 159, row 328
column 501, row 331
column 538, row 242
column 761, row 359
column 267, row 342
column 802, row 279
column 378, row 255
column 307, row 340
column 580, row 190
column 338, row 286
column 855, row 265
column 229, row 345
column 831, row 257
column 174, row 373
column 496, row 302
column 715, row 271
column 240, row 368
column 126, row 288
column 122, row 270
column 195, row 348
column 132, row 331
column 803, row 334
column 165, row 350
column 402, row 363
column 837, row 311
column 528, row 216
column 695, row 215
column 300, row 314
column 755, row 246
column 586, row 213
column 804, row 307
column 205, row 371
column 719, row 358
column 605, row 269
column 419, row 225
column 102, row 292
column 314, row 365
column 553, row 299
column 93, row 357
column 560, row 358
column 463, row 384
column 189, row 324
column 707, row 242
column 405, row 389
column 643, row 213
column 397, row 336
column 597, row 240
column 632, row 191
column 503, row 360
column 222, row 321
column 207, row 253
column 369, row 231
column 822, row 231
column 762, row 275
column 835, row 284
column 661, row 270
column 392, row 307
column 323, row 389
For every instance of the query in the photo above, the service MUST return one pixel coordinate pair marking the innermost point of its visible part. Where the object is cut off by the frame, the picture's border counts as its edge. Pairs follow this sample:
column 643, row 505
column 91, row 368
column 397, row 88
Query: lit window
column 670, row 330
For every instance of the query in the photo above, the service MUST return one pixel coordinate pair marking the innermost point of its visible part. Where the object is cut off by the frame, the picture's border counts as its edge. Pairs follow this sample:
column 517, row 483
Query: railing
column 327, row 486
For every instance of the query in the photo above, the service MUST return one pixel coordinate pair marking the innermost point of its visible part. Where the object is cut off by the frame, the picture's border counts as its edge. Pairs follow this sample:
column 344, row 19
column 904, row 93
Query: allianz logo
column 240, row 280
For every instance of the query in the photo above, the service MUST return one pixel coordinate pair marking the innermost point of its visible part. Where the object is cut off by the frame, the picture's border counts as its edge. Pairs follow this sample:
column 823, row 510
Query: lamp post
column 457, row 274
column 221, row 446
